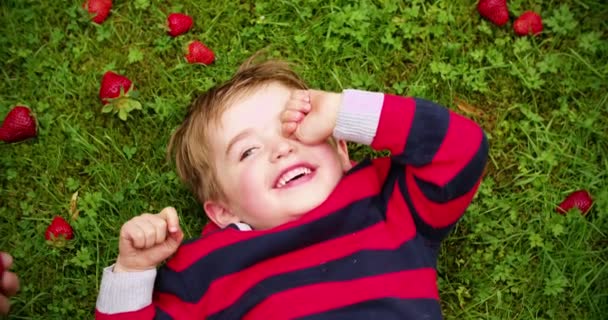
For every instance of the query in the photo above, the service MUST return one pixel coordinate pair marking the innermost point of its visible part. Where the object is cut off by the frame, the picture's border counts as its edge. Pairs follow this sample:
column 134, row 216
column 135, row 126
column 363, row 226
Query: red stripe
column 177, row 308
column 395, row 123
column 398, row 217
column 460, row 144
column 323, row 297
column 344, row 193
column 145, row 313
column 438, row 215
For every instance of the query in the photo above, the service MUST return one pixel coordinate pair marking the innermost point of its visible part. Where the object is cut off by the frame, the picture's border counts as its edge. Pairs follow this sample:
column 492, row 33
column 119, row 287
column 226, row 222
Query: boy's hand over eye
column 310, row 115
column 147, row 240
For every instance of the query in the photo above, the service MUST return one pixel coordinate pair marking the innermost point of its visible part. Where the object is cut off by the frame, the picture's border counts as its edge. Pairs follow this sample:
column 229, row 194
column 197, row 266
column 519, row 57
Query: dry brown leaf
column 74, row 206
column 467, row 108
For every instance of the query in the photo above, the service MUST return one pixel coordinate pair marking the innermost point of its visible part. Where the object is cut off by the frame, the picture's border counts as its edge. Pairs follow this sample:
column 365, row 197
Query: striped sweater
column 368, row 252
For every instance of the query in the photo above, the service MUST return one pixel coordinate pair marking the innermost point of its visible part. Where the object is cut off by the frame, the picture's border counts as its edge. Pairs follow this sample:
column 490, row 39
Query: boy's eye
column 246, row 154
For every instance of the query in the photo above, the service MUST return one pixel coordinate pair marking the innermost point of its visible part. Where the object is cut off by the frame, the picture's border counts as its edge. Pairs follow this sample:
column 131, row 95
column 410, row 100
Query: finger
column 4, row 304
column 298, row 105
column 291, row 116
column 7, row 260
column 149, row 230
column 288, row 128
column 160, row 227
column 9, row 284
column 169, row 214
column 133, row 233
column 302, row 95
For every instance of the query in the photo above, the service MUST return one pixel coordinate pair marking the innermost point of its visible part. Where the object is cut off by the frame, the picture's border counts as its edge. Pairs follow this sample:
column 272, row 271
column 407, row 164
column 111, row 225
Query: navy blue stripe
column 410, row 255
column 233, row 258
column 384, row 309
column 161, row 315
column 429, row 127
column 435, row 234
column 462, row 183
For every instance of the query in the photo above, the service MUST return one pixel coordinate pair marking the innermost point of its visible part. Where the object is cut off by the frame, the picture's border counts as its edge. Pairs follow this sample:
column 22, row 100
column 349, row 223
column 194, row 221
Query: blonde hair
column 189, row 145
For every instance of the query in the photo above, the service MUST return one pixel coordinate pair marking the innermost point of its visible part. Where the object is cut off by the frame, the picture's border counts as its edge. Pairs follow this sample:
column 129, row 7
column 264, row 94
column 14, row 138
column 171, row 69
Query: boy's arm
column 442, row 153
column 127, row 287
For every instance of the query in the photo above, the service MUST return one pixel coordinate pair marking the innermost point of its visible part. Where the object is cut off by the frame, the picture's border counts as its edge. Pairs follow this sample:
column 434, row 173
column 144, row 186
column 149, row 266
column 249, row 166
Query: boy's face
column 268, row 179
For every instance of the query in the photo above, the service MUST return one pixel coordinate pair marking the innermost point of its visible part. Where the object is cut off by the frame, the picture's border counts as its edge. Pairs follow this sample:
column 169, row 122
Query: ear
column 219, row 213
column 342, row 149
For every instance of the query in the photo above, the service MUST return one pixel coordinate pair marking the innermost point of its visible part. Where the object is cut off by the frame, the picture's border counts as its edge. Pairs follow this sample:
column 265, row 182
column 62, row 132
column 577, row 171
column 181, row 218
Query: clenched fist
column 310, row 115
column 147, row 240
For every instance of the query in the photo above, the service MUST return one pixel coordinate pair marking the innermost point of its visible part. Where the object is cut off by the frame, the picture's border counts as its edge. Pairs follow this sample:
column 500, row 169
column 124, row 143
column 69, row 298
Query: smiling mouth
column 293, row 176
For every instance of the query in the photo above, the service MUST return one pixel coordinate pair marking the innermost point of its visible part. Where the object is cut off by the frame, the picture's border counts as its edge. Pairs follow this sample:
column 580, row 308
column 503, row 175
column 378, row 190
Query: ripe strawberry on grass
column 58, row 232
column 494, row 10
column 19, row 124
column 199, row 53
column 179, row 23
column 529, row 23
column 100, row 9
column 580, row 199
column 117, row 93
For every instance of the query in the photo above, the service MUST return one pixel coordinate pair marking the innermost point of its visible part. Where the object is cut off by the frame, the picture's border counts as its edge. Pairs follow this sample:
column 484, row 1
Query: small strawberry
column 117, row 93
column 494, row 10
column 199, row 53
column 111, row 86
column 18, row 125
column 528, row 23
column 580, row 200
column 58, row 232
column 179, row 23
column 99, row 8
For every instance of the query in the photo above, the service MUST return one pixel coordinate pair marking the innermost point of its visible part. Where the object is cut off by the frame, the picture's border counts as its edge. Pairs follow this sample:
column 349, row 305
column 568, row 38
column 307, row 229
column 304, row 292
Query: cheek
column 249, row 183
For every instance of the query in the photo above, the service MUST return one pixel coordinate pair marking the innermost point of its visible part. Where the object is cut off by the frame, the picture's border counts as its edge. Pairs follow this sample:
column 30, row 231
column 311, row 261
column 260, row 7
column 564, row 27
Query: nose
column 281, row 149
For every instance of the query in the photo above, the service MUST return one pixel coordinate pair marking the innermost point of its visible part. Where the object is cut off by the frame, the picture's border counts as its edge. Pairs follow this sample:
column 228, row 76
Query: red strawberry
column 494, row 10
column 179, row 23
column 18, row 125
column 528, row 23
column 580, row 199
column 99, row 8
column 117, row 93
column 58, row 231
column 111, row 85
column 199, row 53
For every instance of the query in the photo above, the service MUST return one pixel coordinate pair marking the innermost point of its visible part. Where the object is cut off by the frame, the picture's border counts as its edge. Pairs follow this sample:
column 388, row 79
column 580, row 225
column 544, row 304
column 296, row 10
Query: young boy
column 302, row 233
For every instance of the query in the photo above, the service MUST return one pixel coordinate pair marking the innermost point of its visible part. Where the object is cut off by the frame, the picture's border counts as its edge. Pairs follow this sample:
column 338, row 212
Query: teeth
column 287, row 176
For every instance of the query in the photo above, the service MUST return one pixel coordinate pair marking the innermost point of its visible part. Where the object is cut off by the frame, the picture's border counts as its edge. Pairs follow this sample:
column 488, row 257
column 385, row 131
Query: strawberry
column 199, row 53
column 528, row 23
column 18, row 125
column 580, row 200
column 179, row 23
column 58, row 232
column 494, row 10
column 116, row 93
column 99, row 8
column 111, row 86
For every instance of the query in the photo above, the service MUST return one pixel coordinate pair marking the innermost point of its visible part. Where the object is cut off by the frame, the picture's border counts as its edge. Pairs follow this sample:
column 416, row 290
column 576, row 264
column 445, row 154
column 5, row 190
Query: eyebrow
column 238, row 137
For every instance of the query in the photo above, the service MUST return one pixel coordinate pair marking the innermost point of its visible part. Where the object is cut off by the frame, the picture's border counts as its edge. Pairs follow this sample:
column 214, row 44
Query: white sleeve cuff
column 359, row 116
column 125, row 291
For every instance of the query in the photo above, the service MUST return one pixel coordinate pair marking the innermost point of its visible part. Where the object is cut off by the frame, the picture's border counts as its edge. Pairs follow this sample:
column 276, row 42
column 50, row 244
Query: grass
column 542, row 100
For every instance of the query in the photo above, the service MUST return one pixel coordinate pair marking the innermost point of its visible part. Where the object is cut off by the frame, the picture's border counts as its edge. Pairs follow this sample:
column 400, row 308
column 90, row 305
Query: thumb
column 174, row 240
column 169, row 214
